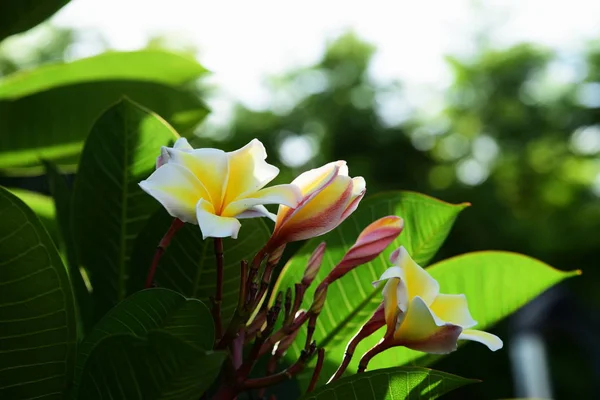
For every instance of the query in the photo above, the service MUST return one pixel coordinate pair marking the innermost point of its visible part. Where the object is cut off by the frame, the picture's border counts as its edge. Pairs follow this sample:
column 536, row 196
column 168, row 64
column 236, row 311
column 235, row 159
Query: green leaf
column 156, row 66
column 37, row 339
column 189, row 266
column 68, row 98
column 159, row 367
column 109, row 207
column 61, row 194
column 352, row 300
column 391, row 384
column 21, row 15
column 42, row 206
column 496, row 284
column 186, row 319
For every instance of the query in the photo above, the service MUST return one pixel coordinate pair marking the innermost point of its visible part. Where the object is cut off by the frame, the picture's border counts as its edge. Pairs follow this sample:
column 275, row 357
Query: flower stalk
column 160, row 250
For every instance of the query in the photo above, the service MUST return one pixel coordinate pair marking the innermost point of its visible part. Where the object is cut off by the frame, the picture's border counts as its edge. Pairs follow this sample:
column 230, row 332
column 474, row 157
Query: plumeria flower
column 329, row 196
column 419, row 317
column 213, row 189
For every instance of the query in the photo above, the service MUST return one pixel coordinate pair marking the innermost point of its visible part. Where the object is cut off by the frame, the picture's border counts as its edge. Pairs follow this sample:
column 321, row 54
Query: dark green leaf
column 109, row 207
column 74, row 95
column 398, row 383
column 20, row 15
column 61, row 194
column 158, row 367
column 42, row 206
column 352, row 300
column 188, row 265
column 186, row 319
column 38, row 335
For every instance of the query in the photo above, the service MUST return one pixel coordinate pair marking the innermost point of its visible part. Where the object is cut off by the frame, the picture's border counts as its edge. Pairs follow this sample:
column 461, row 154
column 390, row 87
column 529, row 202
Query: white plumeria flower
column 213, row 189
column 419, row 317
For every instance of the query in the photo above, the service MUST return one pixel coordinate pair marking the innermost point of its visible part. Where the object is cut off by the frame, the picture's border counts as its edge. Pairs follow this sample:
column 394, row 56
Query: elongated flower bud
column 314, row 264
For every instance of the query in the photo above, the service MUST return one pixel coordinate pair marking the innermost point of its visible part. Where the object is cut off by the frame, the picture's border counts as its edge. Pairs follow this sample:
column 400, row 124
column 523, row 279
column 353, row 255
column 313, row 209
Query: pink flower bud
column 314, row 264
column 318, row 300
column 369, row 244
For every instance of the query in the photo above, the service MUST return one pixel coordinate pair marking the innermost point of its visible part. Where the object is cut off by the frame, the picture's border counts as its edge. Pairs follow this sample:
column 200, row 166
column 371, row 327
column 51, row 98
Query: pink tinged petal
column 310, row 183
column 210, row 166
column 358, row 192
column 317, row 216
column 372, row 241
column 280, row 194
column 212, row 225
column 177, row 189
column 453, row 308
column 163, row 158
column 248, row 171
column 421, row 330
column 493, row 342
column 256, row 212
column 418, row 281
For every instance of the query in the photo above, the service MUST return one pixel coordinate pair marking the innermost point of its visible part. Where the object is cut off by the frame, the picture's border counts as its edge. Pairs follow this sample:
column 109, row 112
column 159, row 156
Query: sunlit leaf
column 160, row 366
column 68, row 98
column 38, row 335
column 496, row 285
column 398, row 383
column 352, row 300
column 42, row 206
column 109, row 208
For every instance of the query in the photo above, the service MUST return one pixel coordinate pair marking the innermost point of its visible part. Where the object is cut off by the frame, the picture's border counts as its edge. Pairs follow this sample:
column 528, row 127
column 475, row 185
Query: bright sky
column 242, row 42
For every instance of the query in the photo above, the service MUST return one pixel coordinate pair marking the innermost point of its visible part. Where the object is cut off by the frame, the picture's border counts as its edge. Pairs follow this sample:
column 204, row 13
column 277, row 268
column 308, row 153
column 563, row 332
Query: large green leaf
column 68, row 105
column 109, row 207
column 42, row 206
column 156, row 66
column 398, row 383
column 20, row 15
column 496, row 284
column 189, row 266
column 37, row 339
column 61, row 193
column 161, row 366
column 351, row 301
column 187, row 319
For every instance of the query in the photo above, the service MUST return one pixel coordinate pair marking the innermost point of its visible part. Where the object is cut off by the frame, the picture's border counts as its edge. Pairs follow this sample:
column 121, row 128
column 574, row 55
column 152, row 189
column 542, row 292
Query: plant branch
column 160, row 249
column 317, row 371
column 218, row 242
column 384, row 344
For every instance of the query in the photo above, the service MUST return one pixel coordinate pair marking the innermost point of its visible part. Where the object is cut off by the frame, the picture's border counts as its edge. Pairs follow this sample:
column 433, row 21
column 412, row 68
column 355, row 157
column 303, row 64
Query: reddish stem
column 160, row 249
column 281, row 333
column 384, row 344
column 218, row 242
column 317, row 370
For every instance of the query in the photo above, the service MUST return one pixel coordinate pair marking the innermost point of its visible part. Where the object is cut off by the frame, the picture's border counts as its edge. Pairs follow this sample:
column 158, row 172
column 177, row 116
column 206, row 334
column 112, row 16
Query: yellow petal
column 421, row 330
column 390, row 302
column 418, row 281
column 212, row 225
column 177, row 189
column 248, row 171
column 256, row 212
column 279, row 194
column 210, row 167
column 453, row 308
column 493, row 342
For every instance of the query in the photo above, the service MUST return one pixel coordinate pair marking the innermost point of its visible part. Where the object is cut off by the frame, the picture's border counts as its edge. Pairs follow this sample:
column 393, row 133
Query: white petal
column 182, row 144
column 177, row 189
column 314, row 179
column 392, row 272
column 212, row 225
column 493, row 342
column 453, row 308
column 257, row 211
column 248, row 170
column 288, row 195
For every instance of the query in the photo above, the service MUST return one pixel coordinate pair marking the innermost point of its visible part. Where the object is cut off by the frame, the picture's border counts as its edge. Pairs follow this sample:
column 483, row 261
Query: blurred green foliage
column 512, row 136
